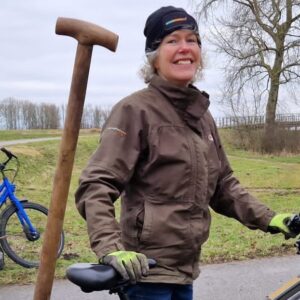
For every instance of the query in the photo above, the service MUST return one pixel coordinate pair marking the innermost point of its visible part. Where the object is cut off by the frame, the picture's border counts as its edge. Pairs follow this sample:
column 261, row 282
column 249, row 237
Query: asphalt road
column 247, row 280
column 25, row 141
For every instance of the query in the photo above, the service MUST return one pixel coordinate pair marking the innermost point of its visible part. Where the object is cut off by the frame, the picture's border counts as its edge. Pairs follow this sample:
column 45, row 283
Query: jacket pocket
column 165, row 225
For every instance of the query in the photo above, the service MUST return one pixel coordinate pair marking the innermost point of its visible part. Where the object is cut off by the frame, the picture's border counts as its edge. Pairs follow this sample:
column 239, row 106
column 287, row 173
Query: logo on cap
column 175, row 20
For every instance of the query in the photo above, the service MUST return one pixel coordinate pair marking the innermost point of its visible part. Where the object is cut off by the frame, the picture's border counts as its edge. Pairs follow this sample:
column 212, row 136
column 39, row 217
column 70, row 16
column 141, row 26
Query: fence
column 289, row 121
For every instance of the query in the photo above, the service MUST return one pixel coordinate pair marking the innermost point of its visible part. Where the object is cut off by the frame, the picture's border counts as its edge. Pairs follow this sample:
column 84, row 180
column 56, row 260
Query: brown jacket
column 161, row 152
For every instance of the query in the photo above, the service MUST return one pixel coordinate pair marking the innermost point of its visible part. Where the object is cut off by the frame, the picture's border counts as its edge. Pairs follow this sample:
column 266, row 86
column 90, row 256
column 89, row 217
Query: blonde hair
column 148, row 70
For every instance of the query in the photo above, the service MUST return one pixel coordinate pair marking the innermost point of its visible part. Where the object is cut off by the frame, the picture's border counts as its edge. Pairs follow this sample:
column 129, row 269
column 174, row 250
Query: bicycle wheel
column 14, row 241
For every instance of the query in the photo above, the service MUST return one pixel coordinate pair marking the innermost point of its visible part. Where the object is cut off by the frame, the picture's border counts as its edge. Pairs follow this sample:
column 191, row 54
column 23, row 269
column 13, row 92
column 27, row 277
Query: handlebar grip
column 8, row 153
column 294, row 224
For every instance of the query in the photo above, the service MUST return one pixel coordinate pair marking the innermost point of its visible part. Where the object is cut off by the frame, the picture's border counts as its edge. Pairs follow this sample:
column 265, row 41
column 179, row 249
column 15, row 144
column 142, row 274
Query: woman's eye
column 172, row 41
column 192, row 40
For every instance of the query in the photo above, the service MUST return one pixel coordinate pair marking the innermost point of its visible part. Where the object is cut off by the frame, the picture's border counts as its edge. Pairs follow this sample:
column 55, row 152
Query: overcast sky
column 36, row 64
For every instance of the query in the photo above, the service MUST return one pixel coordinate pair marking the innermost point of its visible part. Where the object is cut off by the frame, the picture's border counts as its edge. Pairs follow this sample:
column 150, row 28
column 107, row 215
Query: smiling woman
column 177, row 42
column 179, row 57
column 169, row 169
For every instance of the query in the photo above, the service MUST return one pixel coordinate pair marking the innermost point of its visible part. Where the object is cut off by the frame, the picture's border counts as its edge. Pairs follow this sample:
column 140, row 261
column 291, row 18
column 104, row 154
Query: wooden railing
column 290, row 121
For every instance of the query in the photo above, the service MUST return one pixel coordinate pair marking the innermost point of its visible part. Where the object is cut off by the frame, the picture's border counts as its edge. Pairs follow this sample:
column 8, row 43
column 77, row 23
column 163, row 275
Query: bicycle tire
column 14, row 242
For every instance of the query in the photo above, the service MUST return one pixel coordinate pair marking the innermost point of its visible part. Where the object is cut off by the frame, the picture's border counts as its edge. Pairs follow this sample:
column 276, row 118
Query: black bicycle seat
column 93, row 277
column 96, row 277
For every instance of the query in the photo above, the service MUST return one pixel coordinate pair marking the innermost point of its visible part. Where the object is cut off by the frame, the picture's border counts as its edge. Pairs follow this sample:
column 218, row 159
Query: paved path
column 248, row 280
column 25, row 141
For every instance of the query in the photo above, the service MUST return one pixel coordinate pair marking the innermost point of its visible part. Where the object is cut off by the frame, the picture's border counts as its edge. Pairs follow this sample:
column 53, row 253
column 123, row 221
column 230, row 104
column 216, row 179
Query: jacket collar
column 189, row 100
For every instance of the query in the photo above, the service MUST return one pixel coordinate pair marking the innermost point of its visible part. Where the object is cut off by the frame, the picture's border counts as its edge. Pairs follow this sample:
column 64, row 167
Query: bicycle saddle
column 93, row 277
column 97, row 277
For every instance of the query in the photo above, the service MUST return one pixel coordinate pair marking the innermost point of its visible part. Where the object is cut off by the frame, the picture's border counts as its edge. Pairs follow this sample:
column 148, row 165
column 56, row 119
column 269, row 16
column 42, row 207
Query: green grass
column 229, row 240
column 34, row 182
column 272, row 179
column 8, row 135
column 260, row 172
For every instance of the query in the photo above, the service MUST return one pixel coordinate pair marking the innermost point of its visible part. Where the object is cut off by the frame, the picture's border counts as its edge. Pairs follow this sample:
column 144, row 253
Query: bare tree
column 49, row 116
column 105, row 112
column 97, row 117
column 94, row 116
column 261, row 42
column 87, row 117
column 29, row 115
column 10, row 113
column 23, row 114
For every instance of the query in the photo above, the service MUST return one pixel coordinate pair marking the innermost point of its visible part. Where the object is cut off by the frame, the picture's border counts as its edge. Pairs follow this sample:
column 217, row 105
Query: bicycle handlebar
column 8, row 153
column 97, row 277
column 294, row 224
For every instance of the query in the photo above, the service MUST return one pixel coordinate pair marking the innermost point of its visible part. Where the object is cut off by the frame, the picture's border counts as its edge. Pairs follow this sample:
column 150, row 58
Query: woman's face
column 179, row 57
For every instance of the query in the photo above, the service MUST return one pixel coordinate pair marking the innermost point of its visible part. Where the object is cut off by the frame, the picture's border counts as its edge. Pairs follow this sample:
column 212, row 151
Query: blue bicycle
column 22, row 223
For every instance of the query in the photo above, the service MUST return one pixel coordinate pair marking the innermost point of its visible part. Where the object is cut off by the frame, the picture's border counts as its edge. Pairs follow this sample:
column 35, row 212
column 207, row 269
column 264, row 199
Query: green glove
column 278, row 224
column 131, row 265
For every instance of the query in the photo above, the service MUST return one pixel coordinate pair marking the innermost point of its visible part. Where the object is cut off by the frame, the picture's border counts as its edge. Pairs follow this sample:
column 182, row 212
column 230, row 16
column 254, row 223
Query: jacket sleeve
column 103, row 179
column 232, row 200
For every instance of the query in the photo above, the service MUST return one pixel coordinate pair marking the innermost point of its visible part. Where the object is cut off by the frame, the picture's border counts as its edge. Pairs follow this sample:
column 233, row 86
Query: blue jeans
column 160, row 291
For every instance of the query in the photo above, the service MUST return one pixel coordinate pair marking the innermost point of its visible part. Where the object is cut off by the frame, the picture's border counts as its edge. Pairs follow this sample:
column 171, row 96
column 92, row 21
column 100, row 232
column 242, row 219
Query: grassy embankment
column 273, row 179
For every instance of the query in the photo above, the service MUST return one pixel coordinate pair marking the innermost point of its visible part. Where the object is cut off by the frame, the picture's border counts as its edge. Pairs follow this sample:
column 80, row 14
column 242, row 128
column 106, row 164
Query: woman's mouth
column 183, row 62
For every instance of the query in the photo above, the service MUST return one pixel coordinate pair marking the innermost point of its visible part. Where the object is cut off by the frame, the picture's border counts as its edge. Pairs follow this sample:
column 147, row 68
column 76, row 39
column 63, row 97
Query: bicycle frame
column 7, row 190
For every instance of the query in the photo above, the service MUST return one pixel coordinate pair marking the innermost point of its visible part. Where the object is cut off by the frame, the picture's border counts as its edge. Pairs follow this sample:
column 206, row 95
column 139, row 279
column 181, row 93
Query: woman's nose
column 184, row 46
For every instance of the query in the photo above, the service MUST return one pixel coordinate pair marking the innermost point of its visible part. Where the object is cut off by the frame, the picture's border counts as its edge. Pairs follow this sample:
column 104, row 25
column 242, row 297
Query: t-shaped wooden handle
column 87, row 35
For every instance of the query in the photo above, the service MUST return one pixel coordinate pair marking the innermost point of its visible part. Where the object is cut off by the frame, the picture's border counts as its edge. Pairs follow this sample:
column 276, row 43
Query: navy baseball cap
column 163, row 22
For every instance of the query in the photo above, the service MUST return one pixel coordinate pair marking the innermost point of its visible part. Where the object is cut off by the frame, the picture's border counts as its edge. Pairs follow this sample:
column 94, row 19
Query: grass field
column 273, row 179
